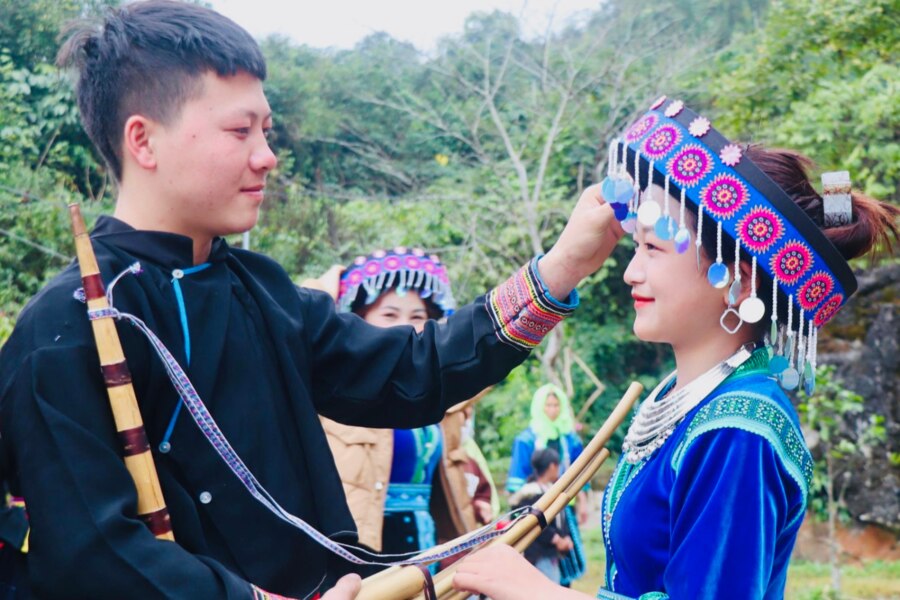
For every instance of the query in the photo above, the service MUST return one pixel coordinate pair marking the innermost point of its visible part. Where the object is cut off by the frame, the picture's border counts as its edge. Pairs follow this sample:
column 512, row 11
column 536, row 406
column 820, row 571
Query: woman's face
column 673, row 300
column 392, row 309
column 551, row 407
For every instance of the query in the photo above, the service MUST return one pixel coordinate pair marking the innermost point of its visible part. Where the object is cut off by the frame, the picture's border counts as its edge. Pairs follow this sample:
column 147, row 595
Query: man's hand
column 584, row 245
column 346, row 588
column 329, row 281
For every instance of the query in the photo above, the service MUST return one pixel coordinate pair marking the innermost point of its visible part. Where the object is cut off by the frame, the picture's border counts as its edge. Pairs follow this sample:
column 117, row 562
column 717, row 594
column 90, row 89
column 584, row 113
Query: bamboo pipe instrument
column 151, row 506
column 444, row 587
column 401, row 583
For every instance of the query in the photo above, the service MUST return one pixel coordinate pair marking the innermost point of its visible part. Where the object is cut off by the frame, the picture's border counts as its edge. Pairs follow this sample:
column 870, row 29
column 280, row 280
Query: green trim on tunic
column 757, row 414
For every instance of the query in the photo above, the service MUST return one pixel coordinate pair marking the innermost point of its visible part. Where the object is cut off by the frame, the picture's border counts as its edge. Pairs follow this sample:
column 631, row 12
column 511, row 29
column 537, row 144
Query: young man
column 171, row 95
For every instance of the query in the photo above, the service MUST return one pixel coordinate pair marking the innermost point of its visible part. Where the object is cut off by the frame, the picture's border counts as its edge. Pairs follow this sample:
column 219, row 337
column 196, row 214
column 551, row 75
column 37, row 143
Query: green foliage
column 822, row 78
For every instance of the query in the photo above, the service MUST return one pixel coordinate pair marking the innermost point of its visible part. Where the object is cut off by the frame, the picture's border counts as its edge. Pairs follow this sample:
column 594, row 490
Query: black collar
column 168, row 250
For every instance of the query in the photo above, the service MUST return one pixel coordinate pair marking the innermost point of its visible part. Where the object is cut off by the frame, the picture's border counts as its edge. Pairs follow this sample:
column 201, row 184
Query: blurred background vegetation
column 478, row 150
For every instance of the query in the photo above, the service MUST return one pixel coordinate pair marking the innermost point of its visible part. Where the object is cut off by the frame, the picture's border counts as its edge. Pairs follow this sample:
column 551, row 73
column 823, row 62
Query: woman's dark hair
column 542, row 460
column 872, row 226
column 147, row 58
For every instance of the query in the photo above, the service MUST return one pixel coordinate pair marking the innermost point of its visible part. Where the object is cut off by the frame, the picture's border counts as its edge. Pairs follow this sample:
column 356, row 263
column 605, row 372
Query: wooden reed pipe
column 526, row 530
column 407, row 582
column 151, row 506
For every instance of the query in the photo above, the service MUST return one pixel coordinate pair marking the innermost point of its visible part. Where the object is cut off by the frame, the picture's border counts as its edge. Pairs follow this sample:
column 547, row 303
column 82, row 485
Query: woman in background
column 552, row 426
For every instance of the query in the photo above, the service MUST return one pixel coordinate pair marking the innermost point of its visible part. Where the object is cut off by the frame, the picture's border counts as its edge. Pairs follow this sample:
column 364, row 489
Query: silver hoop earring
column 731, row 310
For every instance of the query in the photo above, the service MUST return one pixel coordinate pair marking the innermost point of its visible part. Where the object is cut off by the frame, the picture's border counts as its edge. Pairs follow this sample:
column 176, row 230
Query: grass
column 875, row 580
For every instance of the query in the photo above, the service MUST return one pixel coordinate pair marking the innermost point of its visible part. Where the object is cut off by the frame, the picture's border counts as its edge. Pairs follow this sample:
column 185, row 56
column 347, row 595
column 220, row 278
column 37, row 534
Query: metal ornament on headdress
column 400, row 269
column 683, row 237
column 734, row 292
column 717, row 274
column 649, row 211
column 665, row 226
column 836, row 200
column 681, row 148
column 752, row 309
column 790, row 377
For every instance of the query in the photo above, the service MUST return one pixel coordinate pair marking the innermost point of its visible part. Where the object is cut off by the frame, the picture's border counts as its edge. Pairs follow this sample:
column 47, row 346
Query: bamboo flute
column 407, row 582
column 527, row 533
column 151, row 506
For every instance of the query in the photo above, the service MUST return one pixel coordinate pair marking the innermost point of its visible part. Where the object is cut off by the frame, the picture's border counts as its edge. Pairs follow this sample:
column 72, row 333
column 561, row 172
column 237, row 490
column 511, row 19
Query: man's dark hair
column 542, row 459
column 147, row 58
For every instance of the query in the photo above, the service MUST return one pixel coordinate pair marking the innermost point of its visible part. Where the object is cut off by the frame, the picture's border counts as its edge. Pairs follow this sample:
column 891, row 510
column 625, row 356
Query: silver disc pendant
column 718, row 275
column 778, row 364
column 734, row 290
column 624, row 191
column 608, row 190
column 790, row 378
column 665, row 228
column 752, row 310
column 682, row 241
column 809, row 379
column 648, row 213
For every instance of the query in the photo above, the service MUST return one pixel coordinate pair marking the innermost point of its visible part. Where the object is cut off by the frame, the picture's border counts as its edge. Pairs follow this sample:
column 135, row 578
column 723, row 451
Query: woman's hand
column 584, row 245
column 501, row 573
column 346, row 588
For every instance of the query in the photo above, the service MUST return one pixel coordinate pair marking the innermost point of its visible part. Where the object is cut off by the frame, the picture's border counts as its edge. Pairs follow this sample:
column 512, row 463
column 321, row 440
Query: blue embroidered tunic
column 408, row 524
column 713, row 513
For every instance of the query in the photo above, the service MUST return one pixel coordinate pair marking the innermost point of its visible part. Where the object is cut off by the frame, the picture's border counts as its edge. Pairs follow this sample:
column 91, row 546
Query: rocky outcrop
column 864, row 346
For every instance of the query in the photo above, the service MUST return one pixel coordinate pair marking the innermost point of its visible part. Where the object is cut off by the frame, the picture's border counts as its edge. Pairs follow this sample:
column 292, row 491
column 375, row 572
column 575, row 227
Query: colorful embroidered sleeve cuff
column 522, row 309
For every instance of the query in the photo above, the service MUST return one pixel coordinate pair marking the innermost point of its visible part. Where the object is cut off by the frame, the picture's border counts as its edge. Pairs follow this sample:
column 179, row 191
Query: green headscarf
column 545, row 429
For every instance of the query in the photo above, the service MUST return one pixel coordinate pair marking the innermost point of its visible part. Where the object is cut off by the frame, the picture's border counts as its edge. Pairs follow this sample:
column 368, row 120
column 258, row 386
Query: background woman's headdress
column 681, row 152
column 401, row 269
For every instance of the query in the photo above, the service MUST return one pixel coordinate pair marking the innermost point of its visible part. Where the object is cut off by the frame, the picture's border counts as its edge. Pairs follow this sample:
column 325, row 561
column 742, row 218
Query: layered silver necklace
column 657, row 418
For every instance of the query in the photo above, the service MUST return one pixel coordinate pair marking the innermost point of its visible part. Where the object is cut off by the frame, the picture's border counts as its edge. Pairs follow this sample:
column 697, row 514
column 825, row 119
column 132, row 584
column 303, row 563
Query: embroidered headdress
column 681, row 152
column 400, row 269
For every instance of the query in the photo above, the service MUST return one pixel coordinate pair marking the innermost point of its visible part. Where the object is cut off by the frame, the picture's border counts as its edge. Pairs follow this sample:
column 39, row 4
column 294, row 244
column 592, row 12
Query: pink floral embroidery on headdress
column 658, row 103
column 392, row 263
column 759, row 229
column 791, row 262
column 731, row 154
column 641, row 127
column 673, row 109
column 699, row 127
column 724, row 196
column 661, row 141
column 816, row 289
column 689, row 165
column 828, row 310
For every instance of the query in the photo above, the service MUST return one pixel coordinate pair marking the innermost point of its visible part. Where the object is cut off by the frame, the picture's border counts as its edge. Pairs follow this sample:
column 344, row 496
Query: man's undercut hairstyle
column 147, row 58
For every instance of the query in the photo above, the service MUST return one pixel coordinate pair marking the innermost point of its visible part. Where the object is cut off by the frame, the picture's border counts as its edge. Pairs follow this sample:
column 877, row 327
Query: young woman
column 552, row 426
column 387, row 473
column 712, row 485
